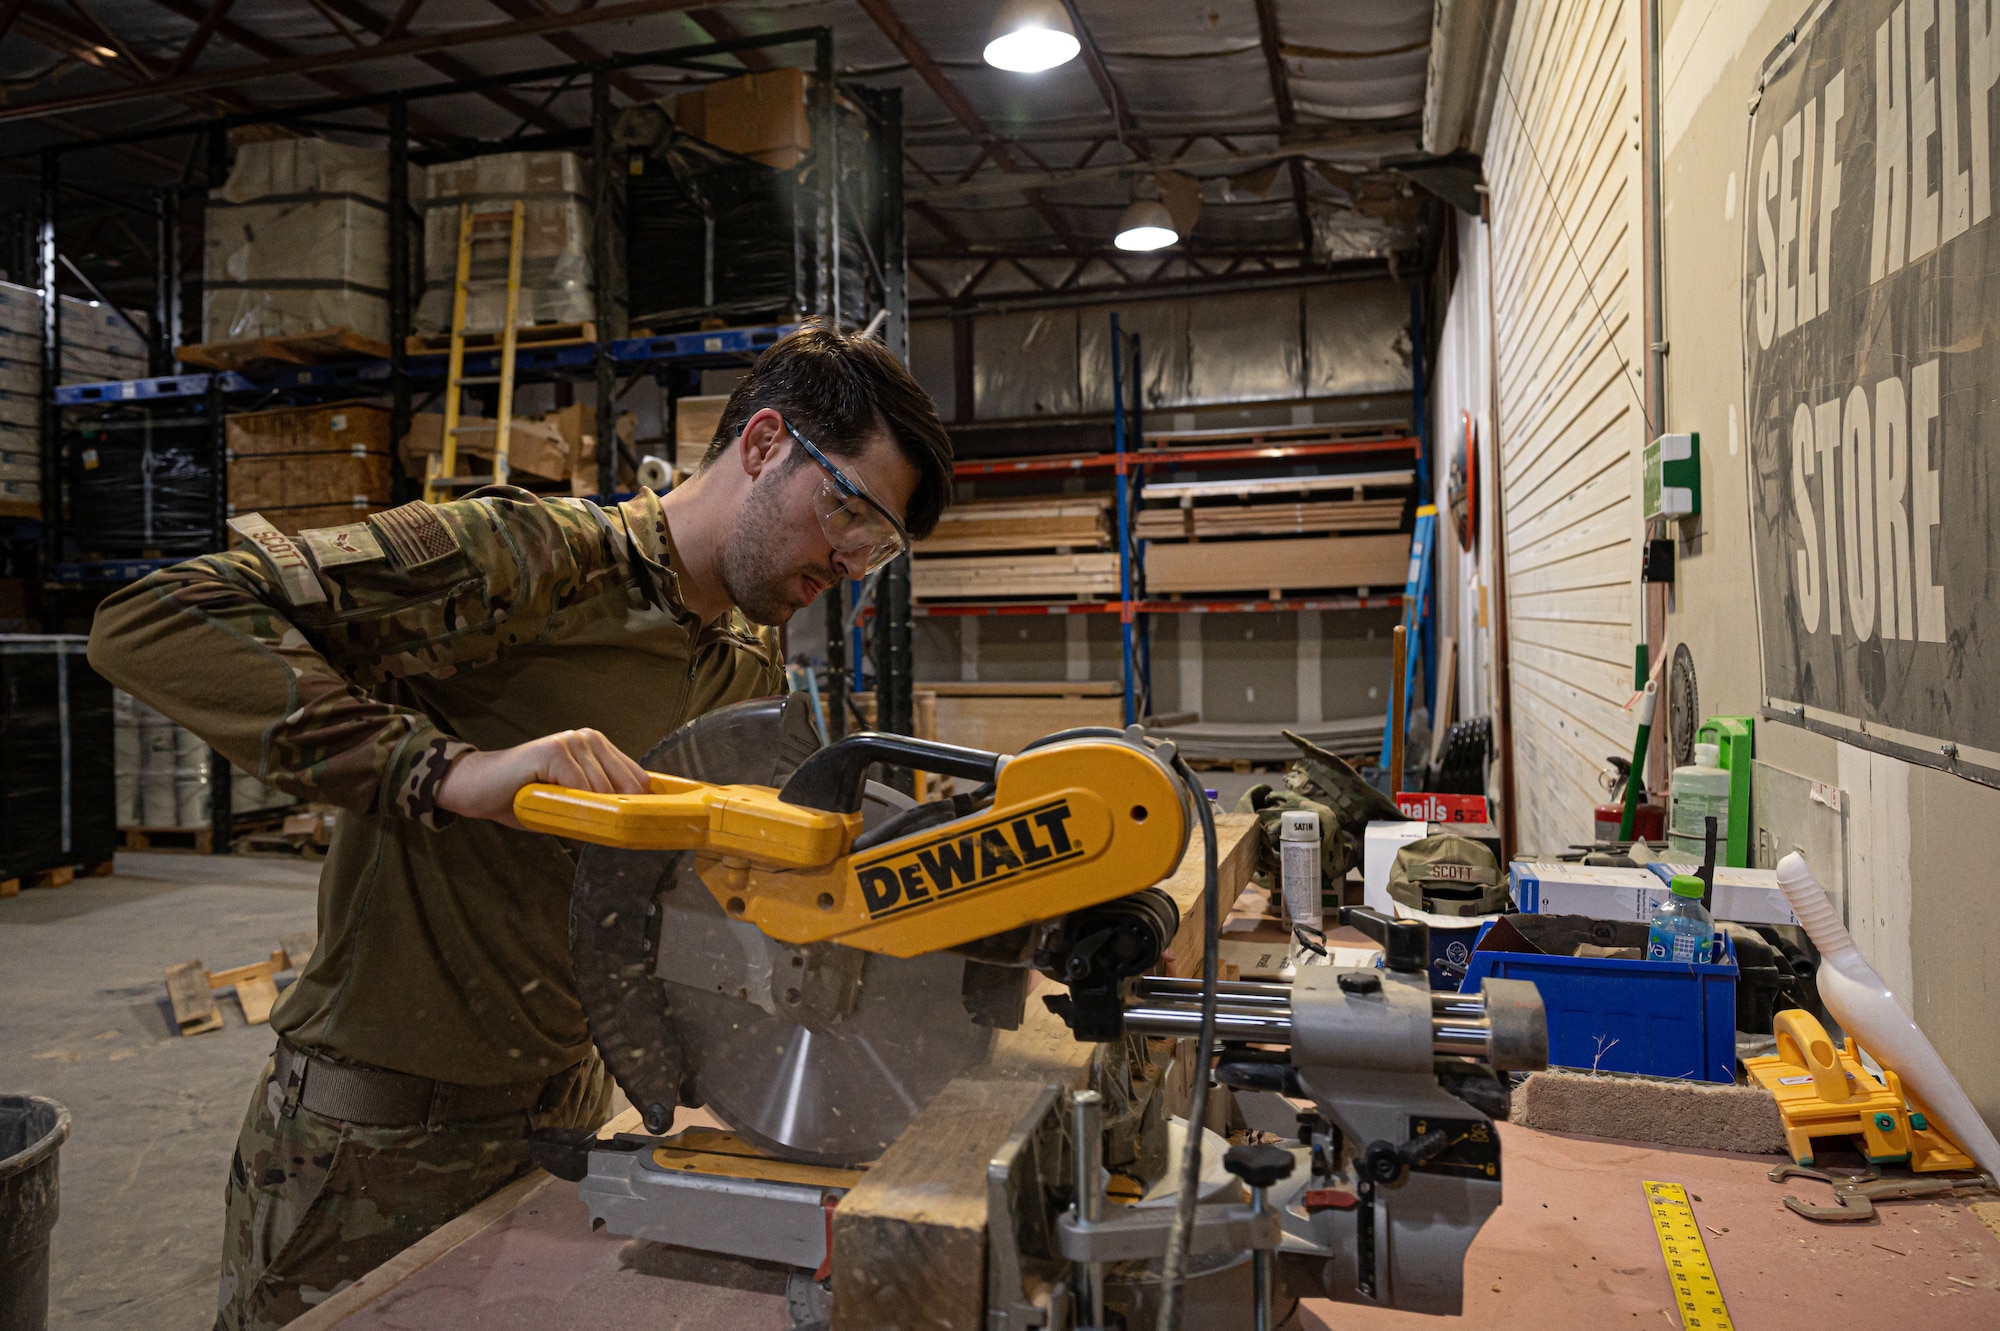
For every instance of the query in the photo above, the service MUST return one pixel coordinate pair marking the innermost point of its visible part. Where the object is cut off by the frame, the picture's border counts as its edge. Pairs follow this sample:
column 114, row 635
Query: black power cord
column 1174, row 1271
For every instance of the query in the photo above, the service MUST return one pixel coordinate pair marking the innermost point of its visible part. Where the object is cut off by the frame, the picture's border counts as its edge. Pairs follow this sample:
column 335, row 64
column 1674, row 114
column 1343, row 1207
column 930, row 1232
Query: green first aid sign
column 1673, row 476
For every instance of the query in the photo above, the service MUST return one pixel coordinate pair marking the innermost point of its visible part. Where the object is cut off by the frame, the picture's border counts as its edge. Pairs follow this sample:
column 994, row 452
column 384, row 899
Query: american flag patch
column 415, row 534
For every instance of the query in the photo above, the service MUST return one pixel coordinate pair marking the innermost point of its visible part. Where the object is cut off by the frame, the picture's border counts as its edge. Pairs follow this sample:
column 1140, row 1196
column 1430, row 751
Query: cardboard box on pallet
column 306, row 480
column 555, row 240
column 763, row 116
column 298, row 240
column 305, row 467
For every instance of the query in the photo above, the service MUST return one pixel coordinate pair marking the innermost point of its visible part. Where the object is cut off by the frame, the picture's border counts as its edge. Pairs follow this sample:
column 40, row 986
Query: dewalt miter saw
column 813, row 957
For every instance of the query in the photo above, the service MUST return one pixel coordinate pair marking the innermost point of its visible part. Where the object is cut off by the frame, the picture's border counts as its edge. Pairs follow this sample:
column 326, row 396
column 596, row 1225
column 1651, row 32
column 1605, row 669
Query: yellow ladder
column 441, row 473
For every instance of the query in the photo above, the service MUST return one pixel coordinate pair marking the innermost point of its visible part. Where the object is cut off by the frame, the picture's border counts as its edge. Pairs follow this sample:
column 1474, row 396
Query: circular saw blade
column 821, row 1053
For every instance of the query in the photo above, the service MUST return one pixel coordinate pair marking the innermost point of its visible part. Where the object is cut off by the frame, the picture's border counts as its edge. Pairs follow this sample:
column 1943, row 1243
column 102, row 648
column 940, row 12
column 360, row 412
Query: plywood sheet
column 1279, row 565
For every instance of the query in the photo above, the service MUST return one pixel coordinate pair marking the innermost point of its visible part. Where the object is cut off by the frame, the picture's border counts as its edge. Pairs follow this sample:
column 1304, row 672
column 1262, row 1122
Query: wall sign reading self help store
column 1871, row 308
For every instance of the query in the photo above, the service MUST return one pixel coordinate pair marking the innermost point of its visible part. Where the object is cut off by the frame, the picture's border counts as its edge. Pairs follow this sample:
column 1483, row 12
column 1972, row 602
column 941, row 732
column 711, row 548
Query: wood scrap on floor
column 304, row 832
column 195, row 1010
column 191, row 987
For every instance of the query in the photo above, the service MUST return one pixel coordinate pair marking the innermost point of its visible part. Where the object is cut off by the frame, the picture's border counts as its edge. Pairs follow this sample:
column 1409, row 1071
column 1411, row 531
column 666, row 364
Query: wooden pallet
column 323, row 346
column 199, row 840
column 14, row 509
column 527, row 335
column 60, row 876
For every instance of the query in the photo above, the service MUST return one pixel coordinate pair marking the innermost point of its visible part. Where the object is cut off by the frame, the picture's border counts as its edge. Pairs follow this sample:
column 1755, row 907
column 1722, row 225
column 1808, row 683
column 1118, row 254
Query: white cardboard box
column 1748, row 896
column 1378, row 855
column 1601, row 892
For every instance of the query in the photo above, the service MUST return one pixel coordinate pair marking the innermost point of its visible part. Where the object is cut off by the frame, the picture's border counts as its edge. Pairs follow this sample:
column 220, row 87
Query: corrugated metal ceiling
column 1197, row 78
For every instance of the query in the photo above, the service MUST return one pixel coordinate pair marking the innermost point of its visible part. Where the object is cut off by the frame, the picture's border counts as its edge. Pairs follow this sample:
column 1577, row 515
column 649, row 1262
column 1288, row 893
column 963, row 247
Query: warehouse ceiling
column 1271, row 117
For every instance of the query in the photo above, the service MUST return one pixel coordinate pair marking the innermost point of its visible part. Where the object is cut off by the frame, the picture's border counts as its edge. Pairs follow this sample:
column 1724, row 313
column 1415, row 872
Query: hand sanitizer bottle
column 1682, row 930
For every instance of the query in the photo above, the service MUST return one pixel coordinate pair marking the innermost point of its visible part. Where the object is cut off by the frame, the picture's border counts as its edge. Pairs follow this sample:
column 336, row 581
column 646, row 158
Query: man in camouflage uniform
column 417, row 669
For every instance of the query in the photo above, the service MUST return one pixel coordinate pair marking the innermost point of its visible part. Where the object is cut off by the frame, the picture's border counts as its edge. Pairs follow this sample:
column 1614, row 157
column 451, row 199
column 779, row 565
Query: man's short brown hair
column 838, row 387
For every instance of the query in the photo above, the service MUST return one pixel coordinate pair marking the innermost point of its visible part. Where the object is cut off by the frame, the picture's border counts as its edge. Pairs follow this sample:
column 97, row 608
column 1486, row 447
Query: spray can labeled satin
column 1298, row 867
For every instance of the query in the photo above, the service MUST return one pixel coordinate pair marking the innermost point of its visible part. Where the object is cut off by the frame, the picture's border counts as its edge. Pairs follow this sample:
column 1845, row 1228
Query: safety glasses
column 855, row 522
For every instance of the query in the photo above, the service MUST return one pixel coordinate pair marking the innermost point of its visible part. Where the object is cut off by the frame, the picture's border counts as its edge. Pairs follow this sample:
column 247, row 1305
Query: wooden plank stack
column 1078, row 522
column 1221, row 521
column 1047, row 548
column 1275, row 534
column 1044, row 577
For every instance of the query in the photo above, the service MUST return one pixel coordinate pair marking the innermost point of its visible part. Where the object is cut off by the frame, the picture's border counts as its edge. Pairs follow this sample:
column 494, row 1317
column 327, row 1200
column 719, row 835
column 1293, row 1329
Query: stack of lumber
column 1047, row 577
column 1053, row 547
column 1007, row 716
column 1275, row 534
column 1189, row 523
column 1301, row 564
column 1074, row 522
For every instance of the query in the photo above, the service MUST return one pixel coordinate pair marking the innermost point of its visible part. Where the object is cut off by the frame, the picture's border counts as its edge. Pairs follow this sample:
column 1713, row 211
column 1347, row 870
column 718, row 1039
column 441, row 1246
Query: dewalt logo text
column 969, row 858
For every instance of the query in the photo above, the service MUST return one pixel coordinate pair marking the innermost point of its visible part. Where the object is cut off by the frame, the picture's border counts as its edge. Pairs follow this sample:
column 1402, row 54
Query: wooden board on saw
column 1084, row 576
column 1005, row 718
column 1278, row 565
column 1220, row 521
column 909, row 1242
column 1080, row 522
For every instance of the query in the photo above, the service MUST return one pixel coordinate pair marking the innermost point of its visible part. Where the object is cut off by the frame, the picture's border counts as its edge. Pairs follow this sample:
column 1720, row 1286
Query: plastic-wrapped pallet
column 297, row 241
column 555, row 241
column 141, row 482
column 56, row 796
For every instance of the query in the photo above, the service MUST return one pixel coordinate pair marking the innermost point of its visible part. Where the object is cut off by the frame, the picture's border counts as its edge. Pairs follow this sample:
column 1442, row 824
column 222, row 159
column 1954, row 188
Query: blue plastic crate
column 1660, row 1018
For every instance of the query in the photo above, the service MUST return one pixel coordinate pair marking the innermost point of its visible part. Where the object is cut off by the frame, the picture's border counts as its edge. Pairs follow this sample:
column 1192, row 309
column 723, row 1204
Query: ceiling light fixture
column 1146, row 225
column 104, row 51
column 1030, row 36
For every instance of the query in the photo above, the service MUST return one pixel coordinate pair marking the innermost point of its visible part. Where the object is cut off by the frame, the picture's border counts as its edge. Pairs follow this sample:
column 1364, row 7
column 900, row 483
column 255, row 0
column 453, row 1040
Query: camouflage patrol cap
column 1328, row 779
column 1448, row 875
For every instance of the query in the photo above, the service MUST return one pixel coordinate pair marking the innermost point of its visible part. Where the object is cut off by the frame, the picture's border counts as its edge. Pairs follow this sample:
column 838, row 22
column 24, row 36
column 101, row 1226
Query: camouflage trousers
column 315, row 1203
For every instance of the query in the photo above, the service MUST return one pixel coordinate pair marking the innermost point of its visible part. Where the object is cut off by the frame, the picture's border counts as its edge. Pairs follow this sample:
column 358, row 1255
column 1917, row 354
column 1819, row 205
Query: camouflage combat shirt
column 353, row 664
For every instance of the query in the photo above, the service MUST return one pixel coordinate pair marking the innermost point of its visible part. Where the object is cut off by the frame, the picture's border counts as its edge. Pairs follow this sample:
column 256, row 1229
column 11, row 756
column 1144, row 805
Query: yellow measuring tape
column 1696, row 1293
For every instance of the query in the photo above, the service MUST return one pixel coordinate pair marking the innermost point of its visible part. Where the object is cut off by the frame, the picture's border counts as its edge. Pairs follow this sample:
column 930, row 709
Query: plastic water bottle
column 1298, row 867
column 1683, row 930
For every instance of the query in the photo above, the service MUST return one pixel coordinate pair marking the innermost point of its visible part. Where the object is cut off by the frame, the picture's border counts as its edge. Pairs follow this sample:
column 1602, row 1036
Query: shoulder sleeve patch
column 333, row 546
column 415, row 534
column 287, row 562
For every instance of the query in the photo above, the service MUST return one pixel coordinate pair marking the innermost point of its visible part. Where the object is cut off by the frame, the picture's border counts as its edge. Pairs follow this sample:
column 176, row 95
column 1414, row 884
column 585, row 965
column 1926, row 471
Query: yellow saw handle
column 747, row 822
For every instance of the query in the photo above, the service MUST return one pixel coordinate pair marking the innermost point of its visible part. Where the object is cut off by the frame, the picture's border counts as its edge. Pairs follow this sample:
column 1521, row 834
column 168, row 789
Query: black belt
column 377, row 1097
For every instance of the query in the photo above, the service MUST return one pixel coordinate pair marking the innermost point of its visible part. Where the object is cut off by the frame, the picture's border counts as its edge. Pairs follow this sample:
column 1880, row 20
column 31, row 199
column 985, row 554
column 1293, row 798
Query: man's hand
column 483, row 785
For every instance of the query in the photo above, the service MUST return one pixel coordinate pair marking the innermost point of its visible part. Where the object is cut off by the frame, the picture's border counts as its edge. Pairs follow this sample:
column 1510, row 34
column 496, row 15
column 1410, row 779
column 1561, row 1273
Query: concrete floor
column 154, row 1115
